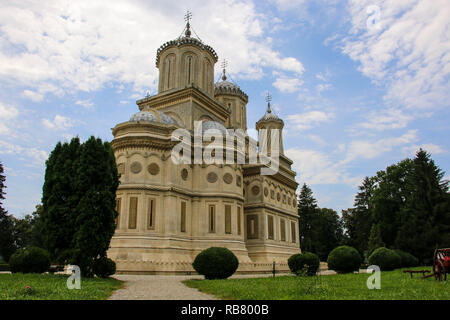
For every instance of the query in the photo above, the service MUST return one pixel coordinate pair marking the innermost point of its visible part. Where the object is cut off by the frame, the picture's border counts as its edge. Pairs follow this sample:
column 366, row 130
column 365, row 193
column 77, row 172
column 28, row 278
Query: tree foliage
column 7, row 246
column 78, row 214
column 406, row 206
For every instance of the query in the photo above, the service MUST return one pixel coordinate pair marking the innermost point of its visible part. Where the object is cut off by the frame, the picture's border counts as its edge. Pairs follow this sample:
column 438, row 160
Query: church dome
column 225, row 87
column 269, row 116
column 214, row 126
column 155, row 116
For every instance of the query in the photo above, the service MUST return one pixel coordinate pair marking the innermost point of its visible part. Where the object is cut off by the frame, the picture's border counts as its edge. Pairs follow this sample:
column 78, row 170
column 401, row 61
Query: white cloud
column 58, row 123
column 371, row 149
column 428, row 147
column 7, row 113
column 387, row 119
column 38, row 156
column 69, row 46
column 84, row 103
column 314, row 167
column 409, row 53
column 308, row 120
column 288, row 85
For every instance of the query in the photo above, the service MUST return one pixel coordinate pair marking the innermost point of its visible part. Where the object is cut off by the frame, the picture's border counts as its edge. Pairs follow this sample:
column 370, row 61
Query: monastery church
column 168, row 212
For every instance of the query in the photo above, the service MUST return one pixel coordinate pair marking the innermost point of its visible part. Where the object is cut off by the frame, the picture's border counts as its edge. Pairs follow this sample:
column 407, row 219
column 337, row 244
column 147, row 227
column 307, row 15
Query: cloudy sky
column 361, row 84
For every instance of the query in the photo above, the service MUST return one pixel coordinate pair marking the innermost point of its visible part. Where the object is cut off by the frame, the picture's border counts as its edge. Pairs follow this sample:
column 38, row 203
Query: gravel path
column 157, row 287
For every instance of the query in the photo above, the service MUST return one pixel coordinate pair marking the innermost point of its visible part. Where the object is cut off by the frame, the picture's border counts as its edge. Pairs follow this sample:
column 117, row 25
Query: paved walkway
column 156, row 287
column 160, row 287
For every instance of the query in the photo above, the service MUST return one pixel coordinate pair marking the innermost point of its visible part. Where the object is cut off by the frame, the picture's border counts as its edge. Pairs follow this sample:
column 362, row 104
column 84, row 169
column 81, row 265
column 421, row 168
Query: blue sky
column 360, row 84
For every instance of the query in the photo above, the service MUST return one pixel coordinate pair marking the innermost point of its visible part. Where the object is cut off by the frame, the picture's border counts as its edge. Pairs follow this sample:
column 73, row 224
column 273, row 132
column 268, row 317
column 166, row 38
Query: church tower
column 234, row 98
column 269, row 122
column 186, row 61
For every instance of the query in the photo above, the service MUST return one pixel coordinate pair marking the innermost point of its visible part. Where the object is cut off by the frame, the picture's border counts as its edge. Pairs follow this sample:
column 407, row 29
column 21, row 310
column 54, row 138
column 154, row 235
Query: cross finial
column 224, row 65
column 187, row 18
column 268, row 99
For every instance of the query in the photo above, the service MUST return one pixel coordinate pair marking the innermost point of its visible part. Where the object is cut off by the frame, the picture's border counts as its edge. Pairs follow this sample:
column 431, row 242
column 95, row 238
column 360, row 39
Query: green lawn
column 53, row 287
column 395, row 285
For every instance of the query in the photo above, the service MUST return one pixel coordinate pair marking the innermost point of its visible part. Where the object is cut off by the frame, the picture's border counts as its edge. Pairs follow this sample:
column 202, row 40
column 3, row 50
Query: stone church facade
column 170, row 212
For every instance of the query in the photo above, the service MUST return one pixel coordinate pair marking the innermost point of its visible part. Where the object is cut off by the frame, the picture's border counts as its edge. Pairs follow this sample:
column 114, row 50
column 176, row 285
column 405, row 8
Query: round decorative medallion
column 255, row 190
column 121, row 168
column 184, row 174
column 266, row 192
column 153, row 169
column 228, row 178
column 278, row 196
column 136, row 167
column 212, row 177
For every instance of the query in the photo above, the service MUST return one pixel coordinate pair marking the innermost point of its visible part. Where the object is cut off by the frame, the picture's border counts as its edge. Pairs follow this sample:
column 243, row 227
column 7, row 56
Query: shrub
column 407, row 259
column 30, row 260
column 216, row 263
column 385, row 258
column 104, row 267
column 307, row 263
column 344, row 259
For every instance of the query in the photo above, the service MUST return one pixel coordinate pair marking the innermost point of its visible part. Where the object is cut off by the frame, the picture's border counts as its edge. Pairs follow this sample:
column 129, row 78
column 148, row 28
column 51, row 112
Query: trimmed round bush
column 104, row 267
column 407, row 259
column 216, row 263
column 385, row 258
column 304, row 263
column 30, row 260
column 344, row 259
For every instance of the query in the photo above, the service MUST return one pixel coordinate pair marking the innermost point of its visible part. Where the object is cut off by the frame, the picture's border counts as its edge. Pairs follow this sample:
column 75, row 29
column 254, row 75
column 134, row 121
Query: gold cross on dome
column 188, row 16
column 268, row 97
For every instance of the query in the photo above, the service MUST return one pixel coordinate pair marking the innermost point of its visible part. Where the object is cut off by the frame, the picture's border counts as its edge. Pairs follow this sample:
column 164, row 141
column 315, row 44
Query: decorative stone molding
column 266, row 192
column 153, row 169
column 121, row 168
column 212, row 177
column 255, row 190
column 184, row 174
column 227, row 178
column 136, row 167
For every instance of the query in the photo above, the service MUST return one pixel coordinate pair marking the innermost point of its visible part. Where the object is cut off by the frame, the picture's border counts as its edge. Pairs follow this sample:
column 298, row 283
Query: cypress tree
column 307, row 209
column 375, row 240
column 7, row 246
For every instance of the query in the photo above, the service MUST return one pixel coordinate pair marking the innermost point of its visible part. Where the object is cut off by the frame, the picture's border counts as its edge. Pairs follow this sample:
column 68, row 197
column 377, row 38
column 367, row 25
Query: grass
column 395, row 285
column 53, row 287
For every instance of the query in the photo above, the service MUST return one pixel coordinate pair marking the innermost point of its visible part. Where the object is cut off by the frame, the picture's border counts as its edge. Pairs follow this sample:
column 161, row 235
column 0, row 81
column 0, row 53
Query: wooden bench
column 411, row 272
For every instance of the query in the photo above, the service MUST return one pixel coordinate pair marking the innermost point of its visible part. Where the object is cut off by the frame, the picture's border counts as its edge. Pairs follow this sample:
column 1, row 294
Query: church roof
column 269, row 115
column 187, row 39
column 155, row 116
column 230, row 88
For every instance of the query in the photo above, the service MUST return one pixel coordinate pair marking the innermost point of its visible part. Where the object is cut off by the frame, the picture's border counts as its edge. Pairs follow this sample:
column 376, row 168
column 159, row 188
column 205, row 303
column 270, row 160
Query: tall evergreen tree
column 426, row 214
column 375, row 240
column 327, row 232
column 357, row 221
column 78, row 213
column 307, row 209
column 7, row 246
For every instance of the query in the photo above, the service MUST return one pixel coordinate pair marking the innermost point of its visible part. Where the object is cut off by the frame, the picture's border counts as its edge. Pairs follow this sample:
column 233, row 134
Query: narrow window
column 168, row 74
column 252, row 227
column 293, row 231
column 118, row 208
column 270, row 227
column 151, row 213
column 227, row 218
column 283, row 229
column 239, row 220
column 212, row 218
column 183, row 216
column 189, row 69
column 133, row 213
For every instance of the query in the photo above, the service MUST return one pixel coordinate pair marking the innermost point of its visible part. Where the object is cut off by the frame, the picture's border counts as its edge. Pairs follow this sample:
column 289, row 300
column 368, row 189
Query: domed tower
column 186, row 61
column 234, row 99
column 268, row 122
